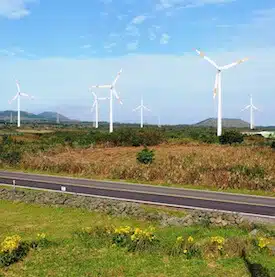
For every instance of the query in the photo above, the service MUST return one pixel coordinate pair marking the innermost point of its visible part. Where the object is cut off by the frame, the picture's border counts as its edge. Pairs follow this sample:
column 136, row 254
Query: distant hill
column 226, row 122
column 52, row 116
column 25, row 116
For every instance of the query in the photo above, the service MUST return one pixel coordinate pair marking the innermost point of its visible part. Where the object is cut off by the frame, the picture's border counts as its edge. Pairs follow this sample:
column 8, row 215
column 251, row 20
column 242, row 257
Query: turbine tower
column 217, row 87
column 141, row 108
column 252, row 108
column 112, row 92
column 95, row 106
column 18, row 96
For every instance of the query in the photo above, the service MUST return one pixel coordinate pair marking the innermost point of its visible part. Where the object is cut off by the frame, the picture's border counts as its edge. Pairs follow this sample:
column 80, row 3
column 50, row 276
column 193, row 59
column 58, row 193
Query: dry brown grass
column 210, row 165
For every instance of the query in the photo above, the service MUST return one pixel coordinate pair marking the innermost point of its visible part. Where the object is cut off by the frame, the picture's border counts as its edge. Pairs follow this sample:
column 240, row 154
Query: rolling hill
column 226, row 122
column 25, row 116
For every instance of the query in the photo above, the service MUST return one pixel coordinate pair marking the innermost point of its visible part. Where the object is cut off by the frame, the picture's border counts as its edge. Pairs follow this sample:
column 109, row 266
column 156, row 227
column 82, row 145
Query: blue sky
column 57, row 49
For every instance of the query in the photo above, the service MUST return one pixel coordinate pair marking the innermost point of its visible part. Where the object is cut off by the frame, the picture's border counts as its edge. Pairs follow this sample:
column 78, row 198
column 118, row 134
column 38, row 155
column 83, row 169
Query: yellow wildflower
column 185, row 251
column 190, row 239
column 179, row 239
column 263, row 242
column 41, row 236
column 10, row 243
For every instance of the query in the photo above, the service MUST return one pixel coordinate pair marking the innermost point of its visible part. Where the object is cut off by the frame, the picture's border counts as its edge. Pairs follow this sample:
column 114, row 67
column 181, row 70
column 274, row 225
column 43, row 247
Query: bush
column 146, row 156
column 187, row 247
column 13, row 249
column 11, row 157
column 273, row 145
column 230, row 137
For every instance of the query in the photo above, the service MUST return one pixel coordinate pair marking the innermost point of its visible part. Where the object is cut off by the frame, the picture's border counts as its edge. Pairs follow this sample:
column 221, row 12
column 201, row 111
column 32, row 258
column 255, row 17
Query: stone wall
column 122, row 208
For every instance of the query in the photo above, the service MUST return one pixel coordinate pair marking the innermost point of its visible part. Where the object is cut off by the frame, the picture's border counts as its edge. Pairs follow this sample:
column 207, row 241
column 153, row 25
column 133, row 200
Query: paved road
column 263, row 206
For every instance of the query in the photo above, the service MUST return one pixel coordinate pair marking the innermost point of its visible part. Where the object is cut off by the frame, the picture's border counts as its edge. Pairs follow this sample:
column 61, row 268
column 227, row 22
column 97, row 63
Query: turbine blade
column 14, row 98
column 116, row 96
column 117, row 77
column 26, row 95
column 147, row 109
column 206, row 58
column 101, row 86
column 247, row 107
column 102, row 98
column 95, row 96
column 18, row 86
column 233, row 64
column 255, row 108
column 137, row 108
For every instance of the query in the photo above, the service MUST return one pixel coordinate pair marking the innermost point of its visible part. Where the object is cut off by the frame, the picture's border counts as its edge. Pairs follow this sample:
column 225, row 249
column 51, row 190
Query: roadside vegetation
column 192, row 157
column 61, row 241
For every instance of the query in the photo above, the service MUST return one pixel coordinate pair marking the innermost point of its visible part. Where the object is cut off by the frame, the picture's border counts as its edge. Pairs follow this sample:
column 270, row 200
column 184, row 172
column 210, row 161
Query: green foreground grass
column 69, row 256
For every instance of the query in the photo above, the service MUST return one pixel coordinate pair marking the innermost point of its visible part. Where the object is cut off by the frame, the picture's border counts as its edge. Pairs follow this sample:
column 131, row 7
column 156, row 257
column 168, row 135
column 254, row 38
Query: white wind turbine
column 18, row 96
column 252, row 108
column 141, row 108
column 112, row 92
column 217, row 87
column 95, row 106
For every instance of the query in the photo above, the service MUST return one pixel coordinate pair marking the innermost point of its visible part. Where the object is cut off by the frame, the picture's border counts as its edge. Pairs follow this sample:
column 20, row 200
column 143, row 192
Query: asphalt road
column 246, row 204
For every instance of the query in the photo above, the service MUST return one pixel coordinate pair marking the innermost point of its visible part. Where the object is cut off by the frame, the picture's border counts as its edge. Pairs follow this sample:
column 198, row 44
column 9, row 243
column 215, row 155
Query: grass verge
column 69, row 256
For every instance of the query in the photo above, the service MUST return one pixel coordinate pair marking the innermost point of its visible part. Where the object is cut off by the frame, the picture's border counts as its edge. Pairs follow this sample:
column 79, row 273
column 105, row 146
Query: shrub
column 146, row 156
column 230, row 137
column 40, row 242
column 13, row 249
column 273, row 144
column 251, row 172
column 134, row 239
column 11, row 157
column 185, row 246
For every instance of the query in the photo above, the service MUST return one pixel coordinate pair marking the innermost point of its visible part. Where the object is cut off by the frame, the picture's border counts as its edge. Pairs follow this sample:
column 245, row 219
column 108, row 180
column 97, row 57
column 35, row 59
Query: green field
column 70, row 256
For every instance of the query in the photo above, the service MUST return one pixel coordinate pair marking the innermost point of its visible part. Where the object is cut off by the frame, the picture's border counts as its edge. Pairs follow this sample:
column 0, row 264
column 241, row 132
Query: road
column 167, row 196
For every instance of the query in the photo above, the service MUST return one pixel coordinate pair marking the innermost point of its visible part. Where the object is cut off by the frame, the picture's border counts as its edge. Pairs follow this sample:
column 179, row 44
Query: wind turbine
column 95, row 105
column 252, row 108
column 217, row 87
column 141, row 108
column 18, row 96
column 112, row 92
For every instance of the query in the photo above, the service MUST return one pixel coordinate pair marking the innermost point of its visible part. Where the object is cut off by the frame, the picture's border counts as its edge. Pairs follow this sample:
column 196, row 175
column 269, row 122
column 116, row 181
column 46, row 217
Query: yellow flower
column 263, row 242
column 220, row 247
column 219, row 240
column 179, row 239
column 190, row 239
column 185, row 251
column 41, row 236
column 10, row 243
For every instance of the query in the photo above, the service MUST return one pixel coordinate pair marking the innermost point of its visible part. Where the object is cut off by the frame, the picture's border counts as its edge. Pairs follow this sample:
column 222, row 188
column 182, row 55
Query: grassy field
column 182, row 158
column 69, row 256
column 203, row 166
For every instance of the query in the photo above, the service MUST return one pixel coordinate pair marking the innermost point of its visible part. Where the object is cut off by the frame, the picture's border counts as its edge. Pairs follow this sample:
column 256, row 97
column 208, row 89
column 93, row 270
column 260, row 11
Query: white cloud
column 86, row 46
column 164, row 38
column 139, row 19
column 15, row 9
column 132, row 30
column 6, row 52
column 110, row 46
column 132, row 46
column 167, row 4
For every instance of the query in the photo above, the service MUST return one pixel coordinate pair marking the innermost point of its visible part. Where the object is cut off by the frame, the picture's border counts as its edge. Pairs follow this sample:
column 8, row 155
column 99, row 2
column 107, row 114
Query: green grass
column 70, row 256
column 183, row 186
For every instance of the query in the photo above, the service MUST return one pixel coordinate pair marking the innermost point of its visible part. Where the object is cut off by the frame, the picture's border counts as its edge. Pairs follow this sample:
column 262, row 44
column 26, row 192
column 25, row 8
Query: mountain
column 52, row 116
column 25, row 116
column 226, row 123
